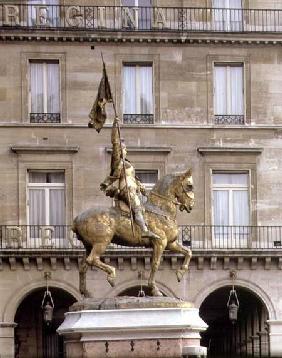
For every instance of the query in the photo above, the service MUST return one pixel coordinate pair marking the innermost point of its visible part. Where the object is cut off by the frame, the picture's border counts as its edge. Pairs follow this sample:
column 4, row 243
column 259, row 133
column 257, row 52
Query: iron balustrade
column 122, row 18
column 235, row 119
column 45, row 118
column 138, row 119
column 220, row 237
column 199, row 237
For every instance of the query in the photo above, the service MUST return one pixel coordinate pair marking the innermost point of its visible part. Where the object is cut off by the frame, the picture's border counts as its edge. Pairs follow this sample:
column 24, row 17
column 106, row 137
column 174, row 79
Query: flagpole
column 123, row 163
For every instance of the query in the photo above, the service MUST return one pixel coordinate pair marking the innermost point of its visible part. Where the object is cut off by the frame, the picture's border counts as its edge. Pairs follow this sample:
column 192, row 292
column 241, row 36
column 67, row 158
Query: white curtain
column 228, row 90
column 221, row 205
column 240, row 207
column 36, row 87
column 53, row 88
column 40, row 91
column 57, row 207
column 227, row 14
column 129, row 89
column 220, row 90
column 146, row 89
column 37, row 212
column 237, row 88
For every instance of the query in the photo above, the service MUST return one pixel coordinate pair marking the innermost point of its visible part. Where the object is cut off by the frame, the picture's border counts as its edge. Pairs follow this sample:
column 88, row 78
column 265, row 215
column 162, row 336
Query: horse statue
column 97, row 228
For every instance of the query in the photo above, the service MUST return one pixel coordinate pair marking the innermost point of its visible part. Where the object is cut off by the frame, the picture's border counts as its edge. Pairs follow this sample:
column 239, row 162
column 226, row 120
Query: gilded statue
column 129, row 222
column 98, row 227
column 123, row 185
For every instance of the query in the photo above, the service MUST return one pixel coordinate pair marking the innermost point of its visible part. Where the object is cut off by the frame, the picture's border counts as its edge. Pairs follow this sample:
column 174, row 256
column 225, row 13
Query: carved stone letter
column 159, row 19
column 11, row 15
column 74, row 16
column 46, row 235
column 130, row 18
column 42, row 15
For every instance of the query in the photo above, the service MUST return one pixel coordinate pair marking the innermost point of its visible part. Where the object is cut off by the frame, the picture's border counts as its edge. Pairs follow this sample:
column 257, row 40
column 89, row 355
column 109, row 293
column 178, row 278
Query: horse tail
column 74, row 229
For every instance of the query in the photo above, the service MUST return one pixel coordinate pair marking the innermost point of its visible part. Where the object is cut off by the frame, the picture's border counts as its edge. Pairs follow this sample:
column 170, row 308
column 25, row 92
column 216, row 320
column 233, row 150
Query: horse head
column 183, row 191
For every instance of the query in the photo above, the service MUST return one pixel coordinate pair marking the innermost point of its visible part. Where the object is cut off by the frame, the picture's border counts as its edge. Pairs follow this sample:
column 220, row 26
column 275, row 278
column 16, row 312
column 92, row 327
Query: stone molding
column 24, row 149
column 229, row 150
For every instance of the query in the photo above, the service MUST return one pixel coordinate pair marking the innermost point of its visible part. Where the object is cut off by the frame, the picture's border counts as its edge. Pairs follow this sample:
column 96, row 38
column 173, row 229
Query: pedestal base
column 133, row 327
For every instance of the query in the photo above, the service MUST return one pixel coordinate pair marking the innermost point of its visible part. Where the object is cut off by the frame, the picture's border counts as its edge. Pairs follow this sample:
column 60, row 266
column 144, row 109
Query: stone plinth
column 133, row 327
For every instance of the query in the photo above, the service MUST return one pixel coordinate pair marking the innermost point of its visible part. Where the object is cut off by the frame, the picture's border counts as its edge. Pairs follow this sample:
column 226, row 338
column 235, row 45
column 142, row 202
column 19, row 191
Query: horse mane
column 163, row 184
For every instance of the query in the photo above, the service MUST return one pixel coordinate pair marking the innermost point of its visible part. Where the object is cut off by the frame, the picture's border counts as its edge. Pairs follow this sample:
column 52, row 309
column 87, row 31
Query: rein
column 165, row 198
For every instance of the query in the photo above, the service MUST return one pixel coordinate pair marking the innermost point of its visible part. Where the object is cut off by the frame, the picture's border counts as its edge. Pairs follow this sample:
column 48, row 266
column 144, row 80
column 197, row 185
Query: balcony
column 138, row 119
column 138, row 19
column 45, row 118
column 209, row 238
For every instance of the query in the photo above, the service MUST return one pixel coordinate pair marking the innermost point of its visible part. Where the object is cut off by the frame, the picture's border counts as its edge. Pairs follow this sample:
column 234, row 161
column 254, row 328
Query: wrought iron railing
column 45, row 117
column 219, row 237
column 138, row 118
column 199, row 237
column 121, row 18
column 229, row 119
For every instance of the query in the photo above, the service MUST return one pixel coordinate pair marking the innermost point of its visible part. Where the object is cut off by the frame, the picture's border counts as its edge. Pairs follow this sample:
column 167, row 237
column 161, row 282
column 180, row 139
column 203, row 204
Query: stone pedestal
column 133, row 327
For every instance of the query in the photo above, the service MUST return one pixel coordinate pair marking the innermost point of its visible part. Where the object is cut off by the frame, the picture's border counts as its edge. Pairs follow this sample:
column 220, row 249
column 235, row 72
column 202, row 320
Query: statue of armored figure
column 123, row 185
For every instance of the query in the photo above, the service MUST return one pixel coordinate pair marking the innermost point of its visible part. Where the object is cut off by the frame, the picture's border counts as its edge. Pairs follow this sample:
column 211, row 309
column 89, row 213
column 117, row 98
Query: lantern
column 47, row 304
column 233, row 306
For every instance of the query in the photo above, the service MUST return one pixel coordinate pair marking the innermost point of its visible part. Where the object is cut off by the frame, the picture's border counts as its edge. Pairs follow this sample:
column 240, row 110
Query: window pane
column 36, row 87
column 37, row 214
column 240, row 207
column 43, row 177
column 129, row 84
column 230, row 178
column 146, row 89
column 237, row 97
column 220, row 90
column 221, row 207
column 53, row 88
column 147, row 176
column 57, row 207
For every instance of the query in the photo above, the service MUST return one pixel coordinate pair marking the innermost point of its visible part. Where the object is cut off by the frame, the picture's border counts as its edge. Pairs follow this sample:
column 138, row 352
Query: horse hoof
column 111, row 281
column 156, row 292
column 179, row 275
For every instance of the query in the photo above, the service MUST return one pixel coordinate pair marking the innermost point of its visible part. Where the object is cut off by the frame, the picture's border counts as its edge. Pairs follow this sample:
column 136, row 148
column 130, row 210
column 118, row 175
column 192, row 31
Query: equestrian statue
column 130, row 222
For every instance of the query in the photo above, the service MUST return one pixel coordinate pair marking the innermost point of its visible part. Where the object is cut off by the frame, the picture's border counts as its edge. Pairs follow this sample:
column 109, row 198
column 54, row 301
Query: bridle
column 175, row 202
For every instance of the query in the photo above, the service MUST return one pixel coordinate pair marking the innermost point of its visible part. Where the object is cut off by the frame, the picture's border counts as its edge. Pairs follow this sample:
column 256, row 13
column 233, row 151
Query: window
column 139, row 16
column 46, row 201
column 148, row 178
column 229, row 93
column 43, row 13
column 227, row 15
column 44, row 91
column 231, row 209
column 138, row 93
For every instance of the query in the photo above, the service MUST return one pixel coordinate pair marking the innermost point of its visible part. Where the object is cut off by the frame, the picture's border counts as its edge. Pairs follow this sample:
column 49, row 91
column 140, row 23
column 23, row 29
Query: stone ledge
column 229, row 150
column 24, row 149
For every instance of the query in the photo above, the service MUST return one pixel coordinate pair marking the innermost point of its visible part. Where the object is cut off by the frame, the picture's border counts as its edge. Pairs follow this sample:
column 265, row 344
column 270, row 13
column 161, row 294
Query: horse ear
column 188, row 173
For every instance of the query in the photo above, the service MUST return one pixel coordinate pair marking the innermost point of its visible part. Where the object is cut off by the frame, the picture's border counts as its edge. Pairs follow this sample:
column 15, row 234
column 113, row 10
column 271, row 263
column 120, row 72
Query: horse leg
column 82, row 278
column 158, row 249
column 94, row 260
column 176, row 247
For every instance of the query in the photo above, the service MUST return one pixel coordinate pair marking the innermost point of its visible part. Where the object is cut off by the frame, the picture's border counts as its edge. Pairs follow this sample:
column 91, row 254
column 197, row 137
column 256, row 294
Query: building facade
column 197, row 84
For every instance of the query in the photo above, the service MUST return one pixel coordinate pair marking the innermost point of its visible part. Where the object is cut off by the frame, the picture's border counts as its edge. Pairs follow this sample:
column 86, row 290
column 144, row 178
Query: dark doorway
column 33, row 338
column 248, row 337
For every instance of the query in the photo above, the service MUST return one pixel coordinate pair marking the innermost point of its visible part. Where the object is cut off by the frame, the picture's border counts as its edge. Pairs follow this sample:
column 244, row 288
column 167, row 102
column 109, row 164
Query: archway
column 135, row 291
column 33, row 338
column 248, row 337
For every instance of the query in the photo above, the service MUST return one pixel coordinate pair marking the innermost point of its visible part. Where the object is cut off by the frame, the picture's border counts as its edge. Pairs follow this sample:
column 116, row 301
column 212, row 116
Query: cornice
column 229, row 150
column 203, row 38
column 25, row 149
column 165, row 150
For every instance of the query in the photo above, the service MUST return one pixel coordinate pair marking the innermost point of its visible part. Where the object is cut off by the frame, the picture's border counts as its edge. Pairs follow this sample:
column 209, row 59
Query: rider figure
column 129, row 187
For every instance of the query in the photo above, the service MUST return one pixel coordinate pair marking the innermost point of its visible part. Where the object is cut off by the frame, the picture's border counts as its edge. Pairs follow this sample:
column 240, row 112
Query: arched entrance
column 248, row 337
column 33, row 338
